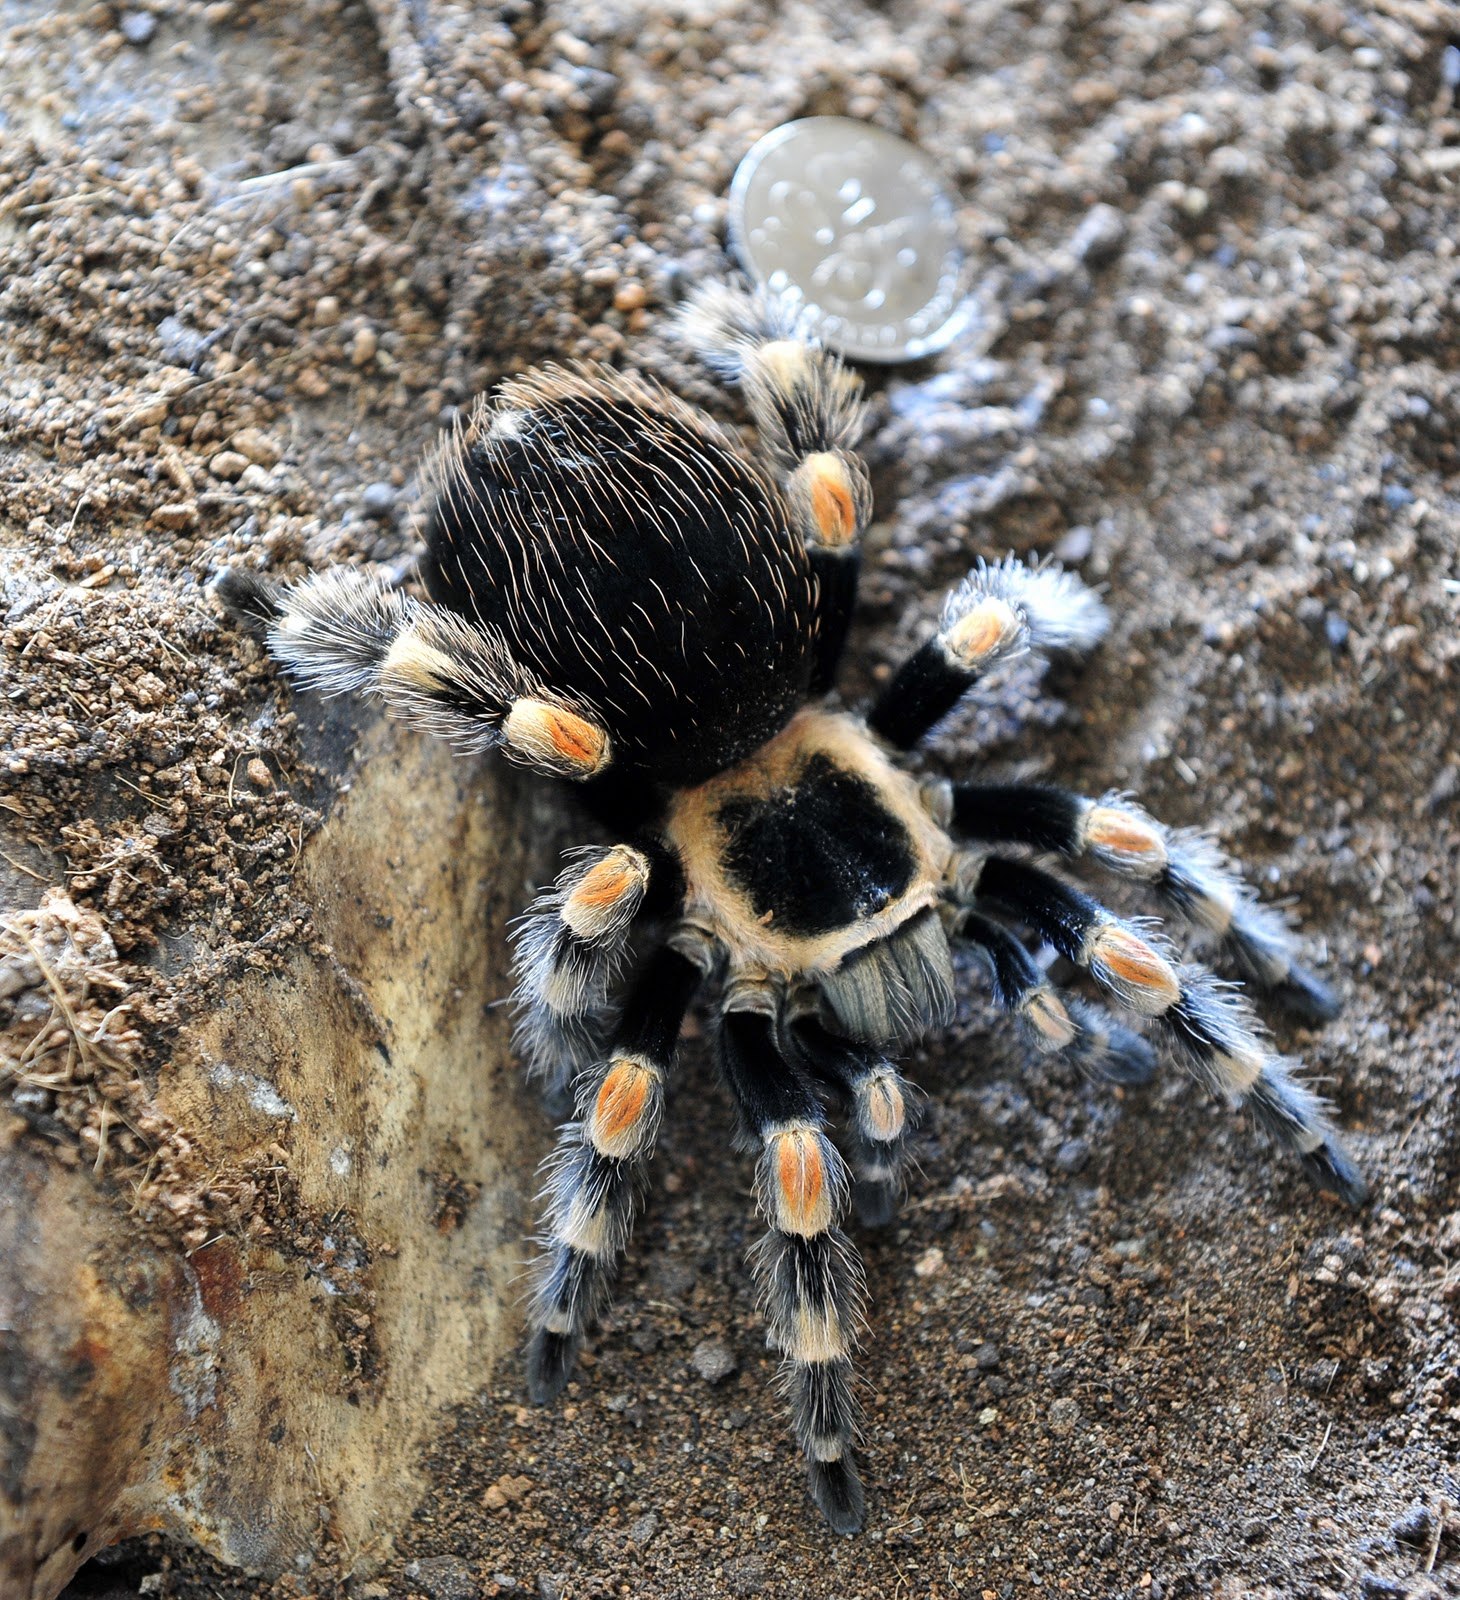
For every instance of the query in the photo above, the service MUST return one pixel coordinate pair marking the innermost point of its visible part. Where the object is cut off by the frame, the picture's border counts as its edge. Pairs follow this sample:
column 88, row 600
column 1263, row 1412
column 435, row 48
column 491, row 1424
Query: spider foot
column 551, row 1358
column 836, row 1487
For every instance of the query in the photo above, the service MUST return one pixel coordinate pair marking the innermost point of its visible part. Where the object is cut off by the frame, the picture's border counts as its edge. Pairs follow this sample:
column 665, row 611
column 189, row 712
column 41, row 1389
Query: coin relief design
column 862, row 225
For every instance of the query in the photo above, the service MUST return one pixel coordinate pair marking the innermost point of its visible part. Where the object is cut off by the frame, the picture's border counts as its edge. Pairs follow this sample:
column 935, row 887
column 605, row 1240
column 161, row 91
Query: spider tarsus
column 1129, row 1059
column 551, row 1358
column 836, row 1487
column 248, row 598
column 873, row 1203
column 1332, row 1170
column 1304, row 996
column 556, row 1099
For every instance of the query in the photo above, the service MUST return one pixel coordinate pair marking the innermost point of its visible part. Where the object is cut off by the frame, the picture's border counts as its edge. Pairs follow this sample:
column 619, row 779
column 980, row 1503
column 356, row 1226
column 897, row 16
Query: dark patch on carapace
column 819, row 854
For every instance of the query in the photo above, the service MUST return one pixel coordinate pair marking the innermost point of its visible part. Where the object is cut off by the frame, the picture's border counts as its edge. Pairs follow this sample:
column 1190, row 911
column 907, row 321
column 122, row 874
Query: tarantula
column 620, row 597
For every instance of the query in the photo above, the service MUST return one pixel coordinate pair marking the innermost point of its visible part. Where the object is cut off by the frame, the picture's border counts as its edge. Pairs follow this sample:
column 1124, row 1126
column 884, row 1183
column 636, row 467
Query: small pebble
column 257, row 446
column 1450, row 66
column 228, row 464
column 175, row 516
column 259, row 775
column 1415, row 1527
column 1317, row 1376
column 138, row 27
column 444, row 1578
column 1075, row 546
column 1072, row 1156
column 642, row 1529
column 378, row 500
column 1064, row 1416
column 363, row 347
column 929, row 1264
column 1335, row 630
column 712, row 1360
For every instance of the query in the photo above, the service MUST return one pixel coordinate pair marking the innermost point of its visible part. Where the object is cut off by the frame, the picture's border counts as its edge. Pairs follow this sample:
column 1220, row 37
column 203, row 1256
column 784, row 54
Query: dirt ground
column 1116, row 1347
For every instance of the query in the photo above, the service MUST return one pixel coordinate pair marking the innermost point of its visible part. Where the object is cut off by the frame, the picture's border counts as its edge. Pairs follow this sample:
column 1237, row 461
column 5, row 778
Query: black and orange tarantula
column 619, row 597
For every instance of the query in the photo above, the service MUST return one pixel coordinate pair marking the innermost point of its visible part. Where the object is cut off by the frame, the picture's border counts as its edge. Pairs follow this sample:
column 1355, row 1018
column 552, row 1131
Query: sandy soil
column 251, row 258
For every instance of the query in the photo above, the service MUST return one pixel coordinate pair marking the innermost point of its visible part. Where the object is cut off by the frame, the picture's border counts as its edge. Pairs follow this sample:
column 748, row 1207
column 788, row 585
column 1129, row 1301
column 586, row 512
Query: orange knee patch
column 608, row 893
column 622, row 1111
column 802, row 1183
column 555, row 739
column 989, row 629
column 1142, row 977
column 1125, row 840
column 833, row 505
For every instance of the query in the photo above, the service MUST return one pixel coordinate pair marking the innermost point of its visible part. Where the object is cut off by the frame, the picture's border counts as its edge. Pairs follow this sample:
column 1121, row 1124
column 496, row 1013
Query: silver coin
column 862, row 226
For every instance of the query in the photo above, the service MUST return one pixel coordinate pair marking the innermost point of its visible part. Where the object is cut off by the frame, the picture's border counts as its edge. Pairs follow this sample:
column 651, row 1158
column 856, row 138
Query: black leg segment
column 1183, row 869
column 810, row 1279
column 595, row 1175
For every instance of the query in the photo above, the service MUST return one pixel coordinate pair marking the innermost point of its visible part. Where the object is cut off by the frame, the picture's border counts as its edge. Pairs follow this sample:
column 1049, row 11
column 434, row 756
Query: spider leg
column 1184, row 871
column 809, row 412
column 883, row 1108
column 568, row 947
column 1053, row 1023
column 343, row 630
column 1209, row 1023
column 595, row 1175
column 996, row 613
column 809, row 1275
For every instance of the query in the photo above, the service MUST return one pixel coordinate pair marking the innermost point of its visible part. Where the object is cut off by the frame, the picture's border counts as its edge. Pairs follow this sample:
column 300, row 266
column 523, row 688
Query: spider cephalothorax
column 621, row 598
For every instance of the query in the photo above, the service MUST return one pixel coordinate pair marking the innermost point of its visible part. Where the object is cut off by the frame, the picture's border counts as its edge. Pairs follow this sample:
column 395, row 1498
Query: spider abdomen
column 633, row 560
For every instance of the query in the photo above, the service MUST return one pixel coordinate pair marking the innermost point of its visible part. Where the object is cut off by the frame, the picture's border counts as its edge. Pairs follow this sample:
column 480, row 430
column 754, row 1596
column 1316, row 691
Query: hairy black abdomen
column 634, row 562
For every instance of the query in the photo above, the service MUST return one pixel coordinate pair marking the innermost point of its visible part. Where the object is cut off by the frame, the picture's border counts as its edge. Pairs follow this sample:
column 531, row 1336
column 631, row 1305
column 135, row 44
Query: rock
column 642, row 1529
column 379, row 500
column 1072, row 1156
column 1064, row 1416
column 444, row 1578
column 746, row 1576
column 505, row 1491
column 1317, row 1377
column 1075, row 545
column 137, row 27
column 228, row 464
column 712, row 1360
column 363, row 347
column 176, row 516
column 257, row 446
column 929, row 1264
column 1415, row 1527
column 1375, row 1586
